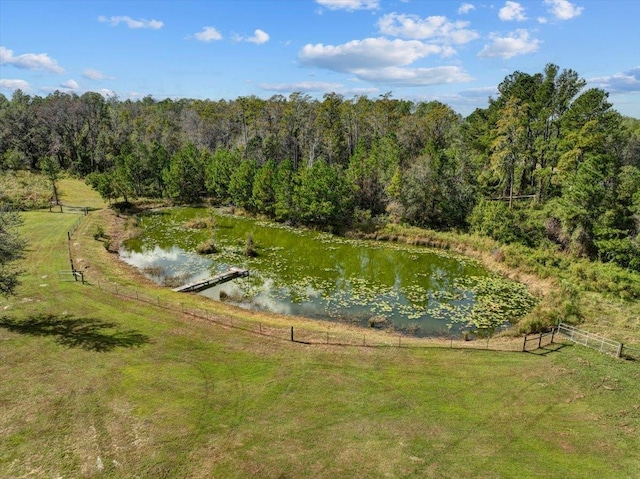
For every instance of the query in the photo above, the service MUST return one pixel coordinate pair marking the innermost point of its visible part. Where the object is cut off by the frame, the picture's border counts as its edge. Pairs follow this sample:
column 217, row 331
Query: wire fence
column 334, row 334
column 74, row 227
column 60, row 208
column 537, row 341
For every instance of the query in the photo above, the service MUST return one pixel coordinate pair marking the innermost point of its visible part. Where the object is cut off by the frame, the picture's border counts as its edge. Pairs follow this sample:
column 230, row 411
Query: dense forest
column 548, row 163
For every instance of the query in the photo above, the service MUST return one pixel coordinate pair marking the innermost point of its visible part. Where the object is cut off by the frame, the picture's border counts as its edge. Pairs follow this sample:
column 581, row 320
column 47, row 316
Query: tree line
column 548, row 162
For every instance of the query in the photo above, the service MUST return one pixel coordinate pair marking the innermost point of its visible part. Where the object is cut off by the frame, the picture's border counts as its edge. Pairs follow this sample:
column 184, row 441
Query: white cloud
column 30, row 61
column 381, row 60
column 516, row 43
column 312, row 86
column 92, row 74
column 563, row 9
column 625, row 82
column 130, row 22
column 208, row 34
column 259, row 37
column 105, row 92
column 349, row 5
column 438, row 28
column 5, row 55
column 14, row 84
column 466, row 8
column 512, row 11
column 370, row 53
column 318, row 87
column 70, row 84
column 414, row 76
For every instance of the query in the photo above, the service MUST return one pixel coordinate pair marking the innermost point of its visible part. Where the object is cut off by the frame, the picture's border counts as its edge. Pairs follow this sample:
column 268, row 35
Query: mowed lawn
column 96, row 386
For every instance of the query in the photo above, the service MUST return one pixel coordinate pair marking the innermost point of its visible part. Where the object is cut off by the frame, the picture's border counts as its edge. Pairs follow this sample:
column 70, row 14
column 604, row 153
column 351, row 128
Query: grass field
column 97, row 386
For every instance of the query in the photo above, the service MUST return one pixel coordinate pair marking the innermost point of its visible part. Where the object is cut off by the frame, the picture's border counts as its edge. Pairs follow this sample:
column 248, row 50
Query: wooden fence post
column 291, row 333
column 524, row 343
column 540, row 341
column 619, row 353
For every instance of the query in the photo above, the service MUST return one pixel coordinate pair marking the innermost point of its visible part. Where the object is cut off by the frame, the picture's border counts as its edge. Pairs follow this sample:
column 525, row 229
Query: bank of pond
column 412, row 289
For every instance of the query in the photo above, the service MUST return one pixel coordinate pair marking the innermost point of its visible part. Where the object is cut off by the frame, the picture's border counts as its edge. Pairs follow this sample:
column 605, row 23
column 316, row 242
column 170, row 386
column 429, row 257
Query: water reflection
column 310, row 274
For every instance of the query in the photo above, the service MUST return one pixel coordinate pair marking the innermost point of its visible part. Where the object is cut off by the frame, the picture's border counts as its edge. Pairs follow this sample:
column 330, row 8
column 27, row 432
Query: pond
column 416, row 290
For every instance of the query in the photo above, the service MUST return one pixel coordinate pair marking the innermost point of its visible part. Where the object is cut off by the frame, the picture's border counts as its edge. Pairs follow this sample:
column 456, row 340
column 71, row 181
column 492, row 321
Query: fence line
column 318, row 336
column 60, row 208
column 597, row 342
column 73, row 209
column 315, row 336
column 539, row 340
column 531, row 342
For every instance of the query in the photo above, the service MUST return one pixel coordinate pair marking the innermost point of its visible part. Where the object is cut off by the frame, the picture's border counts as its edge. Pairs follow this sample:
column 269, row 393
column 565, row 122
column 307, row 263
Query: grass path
column 94, row 386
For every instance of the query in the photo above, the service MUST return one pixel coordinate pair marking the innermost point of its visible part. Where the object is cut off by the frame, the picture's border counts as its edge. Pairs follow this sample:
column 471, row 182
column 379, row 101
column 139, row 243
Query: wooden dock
column 228, row 275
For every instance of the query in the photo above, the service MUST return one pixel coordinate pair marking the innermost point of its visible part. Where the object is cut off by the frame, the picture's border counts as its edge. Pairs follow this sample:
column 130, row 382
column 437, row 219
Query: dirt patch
column 119, row 229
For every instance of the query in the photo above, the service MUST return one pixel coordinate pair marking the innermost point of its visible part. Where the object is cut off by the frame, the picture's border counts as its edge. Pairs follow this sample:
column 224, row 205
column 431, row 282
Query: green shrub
column 622, row 251
column 207, row 247
column 508, row 225
column 24, row 190
column 99, row 234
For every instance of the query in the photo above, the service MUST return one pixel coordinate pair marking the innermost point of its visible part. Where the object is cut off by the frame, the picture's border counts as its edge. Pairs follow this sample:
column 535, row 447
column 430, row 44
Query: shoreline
column 119, row 230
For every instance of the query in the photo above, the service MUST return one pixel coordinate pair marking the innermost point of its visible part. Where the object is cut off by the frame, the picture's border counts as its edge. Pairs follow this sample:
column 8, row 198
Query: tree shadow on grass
column 85, row 333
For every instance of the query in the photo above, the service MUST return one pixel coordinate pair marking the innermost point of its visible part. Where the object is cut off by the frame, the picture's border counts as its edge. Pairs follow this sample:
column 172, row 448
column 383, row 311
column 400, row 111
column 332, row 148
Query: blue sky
column 456, row 52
